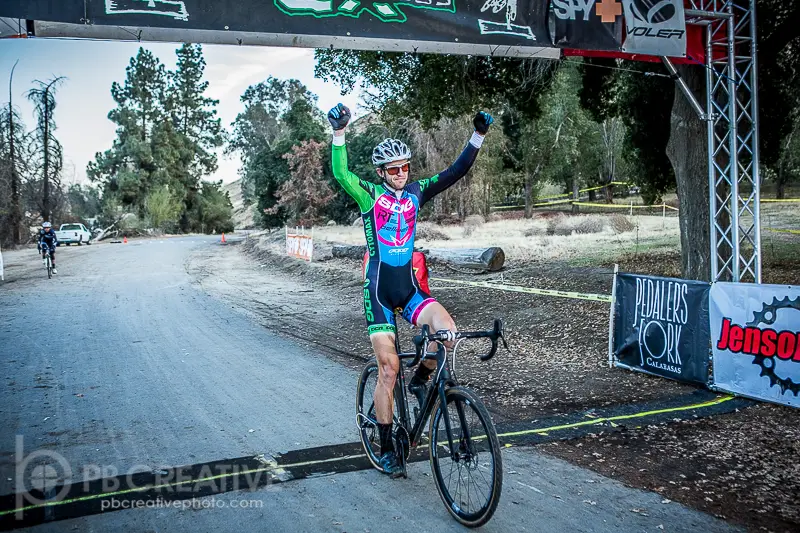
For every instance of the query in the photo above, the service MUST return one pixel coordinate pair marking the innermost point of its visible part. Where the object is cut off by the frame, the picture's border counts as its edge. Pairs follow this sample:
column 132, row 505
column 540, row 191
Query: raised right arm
column 360, row 190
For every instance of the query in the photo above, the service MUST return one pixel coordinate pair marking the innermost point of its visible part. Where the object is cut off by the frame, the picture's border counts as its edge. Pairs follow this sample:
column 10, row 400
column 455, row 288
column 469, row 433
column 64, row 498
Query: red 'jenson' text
column 758, row 341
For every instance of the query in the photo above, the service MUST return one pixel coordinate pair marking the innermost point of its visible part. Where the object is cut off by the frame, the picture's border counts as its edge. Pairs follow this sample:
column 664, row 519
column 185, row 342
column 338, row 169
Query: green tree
column 194, row 120
column 429, row 86
column 130, row 169
column 84, row 201
column 167, row 135
column 278, row 115
column 214, row 208
column 162, row 207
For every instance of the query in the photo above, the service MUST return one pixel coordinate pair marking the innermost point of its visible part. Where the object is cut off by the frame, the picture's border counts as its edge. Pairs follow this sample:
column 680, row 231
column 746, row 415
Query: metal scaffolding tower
column 732, row 120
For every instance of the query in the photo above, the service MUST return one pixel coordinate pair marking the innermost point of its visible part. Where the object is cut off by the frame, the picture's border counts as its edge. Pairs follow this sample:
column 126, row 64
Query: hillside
column 243, row 216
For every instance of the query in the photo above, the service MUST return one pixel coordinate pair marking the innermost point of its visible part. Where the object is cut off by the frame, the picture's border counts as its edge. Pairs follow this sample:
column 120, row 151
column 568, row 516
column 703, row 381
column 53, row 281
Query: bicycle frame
column 442, row 382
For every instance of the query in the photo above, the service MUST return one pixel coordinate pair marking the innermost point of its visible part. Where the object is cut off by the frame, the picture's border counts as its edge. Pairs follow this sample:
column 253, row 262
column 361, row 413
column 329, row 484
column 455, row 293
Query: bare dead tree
column 49, row 150
column 16, row 213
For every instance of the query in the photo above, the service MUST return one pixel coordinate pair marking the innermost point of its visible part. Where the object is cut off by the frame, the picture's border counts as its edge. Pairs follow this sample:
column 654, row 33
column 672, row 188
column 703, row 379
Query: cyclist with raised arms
column 389, row 212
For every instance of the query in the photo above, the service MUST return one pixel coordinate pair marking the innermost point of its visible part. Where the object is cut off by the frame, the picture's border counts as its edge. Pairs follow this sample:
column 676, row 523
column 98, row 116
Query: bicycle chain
column 767, row 316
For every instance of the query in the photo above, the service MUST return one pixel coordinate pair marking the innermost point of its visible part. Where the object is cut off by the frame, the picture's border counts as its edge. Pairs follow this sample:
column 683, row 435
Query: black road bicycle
column 463, row 448
column 48, row 263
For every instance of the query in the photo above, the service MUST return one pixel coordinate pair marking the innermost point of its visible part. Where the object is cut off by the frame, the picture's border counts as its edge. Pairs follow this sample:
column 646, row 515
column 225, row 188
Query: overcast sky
column 84, row 99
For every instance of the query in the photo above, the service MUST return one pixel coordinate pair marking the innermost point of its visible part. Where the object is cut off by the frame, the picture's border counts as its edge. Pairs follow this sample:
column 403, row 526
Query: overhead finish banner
column 756, row 340
column 455, row 23
column 655, row 27
column 586, row 24
column 661, row 326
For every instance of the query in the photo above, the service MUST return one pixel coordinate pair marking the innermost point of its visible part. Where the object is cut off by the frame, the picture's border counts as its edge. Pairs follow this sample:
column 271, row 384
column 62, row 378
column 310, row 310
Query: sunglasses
column 393, row 171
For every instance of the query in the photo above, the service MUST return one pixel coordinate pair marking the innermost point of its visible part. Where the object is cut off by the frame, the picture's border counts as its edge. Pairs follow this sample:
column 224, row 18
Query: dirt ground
column 742, row 466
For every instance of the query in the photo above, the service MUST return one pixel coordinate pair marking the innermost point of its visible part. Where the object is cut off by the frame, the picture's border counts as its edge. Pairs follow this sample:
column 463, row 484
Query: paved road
column 122, row 362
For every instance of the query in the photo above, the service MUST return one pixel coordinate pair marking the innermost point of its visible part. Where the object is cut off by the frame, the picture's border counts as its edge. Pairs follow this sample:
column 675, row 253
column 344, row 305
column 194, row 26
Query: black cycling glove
column 482, row 121
column 339, row 116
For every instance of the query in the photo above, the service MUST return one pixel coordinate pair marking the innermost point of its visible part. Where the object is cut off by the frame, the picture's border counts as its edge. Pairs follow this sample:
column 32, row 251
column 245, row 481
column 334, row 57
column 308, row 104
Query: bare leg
column 388, row 366
column 437, row 318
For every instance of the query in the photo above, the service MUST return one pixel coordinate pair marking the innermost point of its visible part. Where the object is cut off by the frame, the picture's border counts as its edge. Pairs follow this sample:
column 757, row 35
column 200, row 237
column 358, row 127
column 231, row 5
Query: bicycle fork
column 444, row 383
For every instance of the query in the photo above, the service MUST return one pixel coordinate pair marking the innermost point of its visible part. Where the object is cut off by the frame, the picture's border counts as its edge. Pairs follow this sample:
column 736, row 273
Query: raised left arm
column 444, row 179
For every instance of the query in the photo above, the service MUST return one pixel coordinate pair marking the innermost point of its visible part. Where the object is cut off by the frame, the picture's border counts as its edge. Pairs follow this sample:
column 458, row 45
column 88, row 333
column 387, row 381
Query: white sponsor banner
column 299, row 245
column 755, row 338
column 655, row 27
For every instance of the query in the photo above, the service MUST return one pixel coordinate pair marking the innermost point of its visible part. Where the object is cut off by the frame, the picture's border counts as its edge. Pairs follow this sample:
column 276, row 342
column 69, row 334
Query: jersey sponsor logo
column 394, row 206
column 424, row 184
column 370, row 237
column 396, row 220
column 398, row 251
column 368, row 304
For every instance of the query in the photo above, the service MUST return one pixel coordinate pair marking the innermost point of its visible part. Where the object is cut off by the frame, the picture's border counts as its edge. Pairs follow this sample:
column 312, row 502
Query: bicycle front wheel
column 469, row 477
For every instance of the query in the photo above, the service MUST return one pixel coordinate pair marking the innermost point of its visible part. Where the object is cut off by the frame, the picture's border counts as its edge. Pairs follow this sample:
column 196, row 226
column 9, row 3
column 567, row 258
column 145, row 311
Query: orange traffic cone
column 223, row 239
column 125, row 239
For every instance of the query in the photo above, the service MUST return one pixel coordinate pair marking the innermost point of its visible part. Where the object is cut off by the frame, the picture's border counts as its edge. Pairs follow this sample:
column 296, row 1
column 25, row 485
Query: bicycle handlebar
column 421, row 340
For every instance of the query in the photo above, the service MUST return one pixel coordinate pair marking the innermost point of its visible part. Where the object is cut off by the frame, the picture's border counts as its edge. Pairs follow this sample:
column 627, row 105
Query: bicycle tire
column 365, row 420
column 49, row 269
column 440, row 452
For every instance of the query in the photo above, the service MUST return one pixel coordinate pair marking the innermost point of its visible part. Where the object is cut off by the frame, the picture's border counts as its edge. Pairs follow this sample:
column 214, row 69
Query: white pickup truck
column 73, row 233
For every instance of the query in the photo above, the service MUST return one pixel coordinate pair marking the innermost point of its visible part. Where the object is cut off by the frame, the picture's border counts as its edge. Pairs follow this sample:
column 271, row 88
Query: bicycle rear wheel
column 366, row 419
column 470, row 482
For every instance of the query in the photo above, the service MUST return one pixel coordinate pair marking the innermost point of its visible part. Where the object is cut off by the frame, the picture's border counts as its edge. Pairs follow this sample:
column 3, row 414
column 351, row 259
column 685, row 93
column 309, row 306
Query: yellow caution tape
column 565, row 195
column 553, row 203
column 529, row 290
column 780, row 200
column 612, row 419
column 780, row 230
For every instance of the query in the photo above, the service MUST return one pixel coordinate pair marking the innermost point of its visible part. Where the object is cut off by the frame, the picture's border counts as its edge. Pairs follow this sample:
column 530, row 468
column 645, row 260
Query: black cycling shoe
column 391, row 465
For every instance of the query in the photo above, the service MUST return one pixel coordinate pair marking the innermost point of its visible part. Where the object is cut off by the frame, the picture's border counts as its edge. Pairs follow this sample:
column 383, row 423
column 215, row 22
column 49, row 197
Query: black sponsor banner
column 586, row 24
column 494, row 22
column 661, row 326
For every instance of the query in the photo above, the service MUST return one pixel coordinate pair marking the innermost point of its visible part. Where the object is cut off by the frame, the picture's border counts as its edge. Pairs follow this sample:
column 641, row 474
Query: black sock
column 385, row 431
column 421, row 375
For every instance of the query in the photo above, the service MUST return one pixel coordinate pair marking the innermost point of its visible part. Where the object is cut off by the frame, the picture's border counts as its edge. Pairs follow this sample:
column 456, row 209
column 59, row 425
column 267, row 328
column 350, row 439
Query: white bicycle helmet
column 46, row 225
column 389, row 151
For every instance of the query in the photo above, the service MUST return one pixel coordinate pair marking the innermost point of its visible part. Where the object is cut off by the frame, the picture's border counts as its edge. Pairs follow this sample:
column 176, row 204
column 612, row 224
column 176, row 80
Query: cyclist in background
column 389, row 212
column 47, row 243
